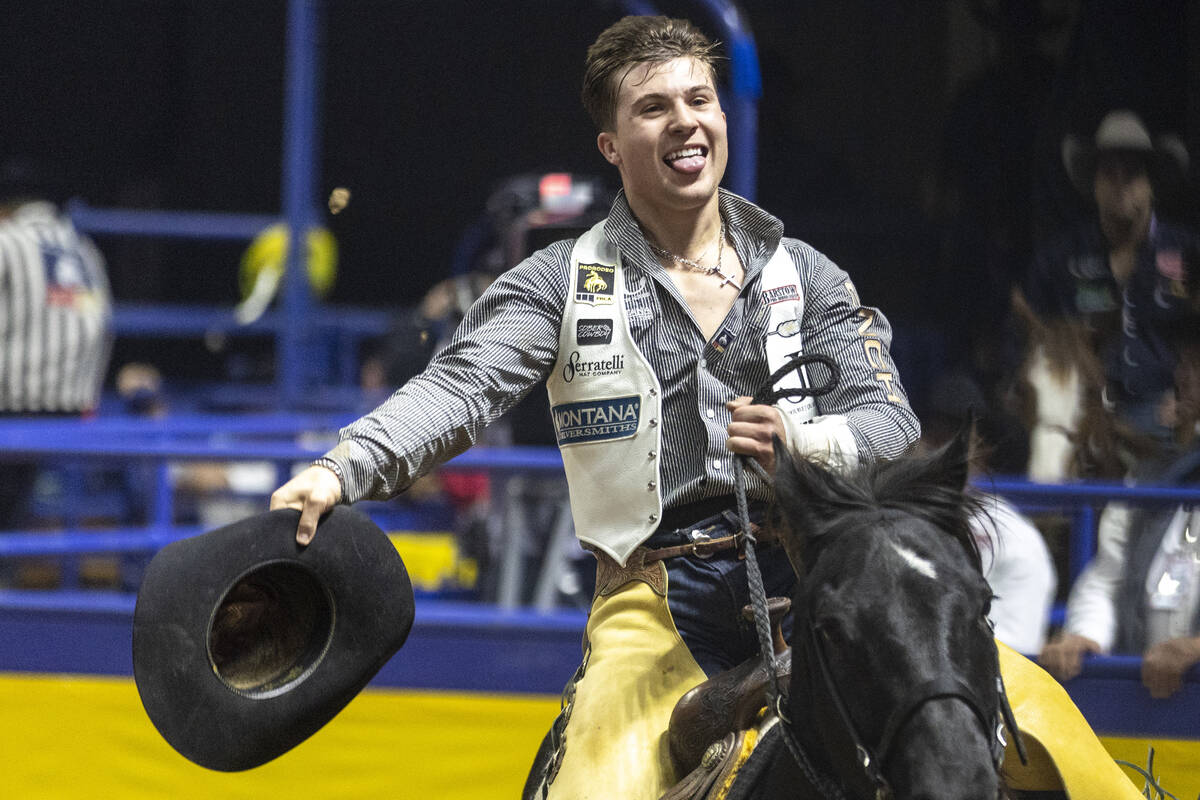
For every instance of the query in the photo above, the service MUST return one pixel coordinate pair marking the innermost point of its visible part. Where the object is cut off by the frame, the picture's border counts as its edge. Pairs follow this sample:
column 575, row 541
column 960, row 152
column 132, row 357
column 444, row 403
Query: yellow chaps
column 615, row 743
column 616, row 738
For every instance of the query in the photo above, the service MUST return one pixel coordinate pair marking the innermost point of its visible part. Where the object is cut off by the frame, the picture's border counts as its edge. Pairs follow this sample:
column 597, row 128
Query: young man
column 652, row 331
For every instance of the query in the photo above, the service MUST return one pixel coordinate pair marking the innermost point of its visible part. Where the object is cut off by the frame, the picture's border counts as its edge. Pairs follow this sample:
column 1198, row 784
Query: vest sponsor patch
column 594, row 284
column 577, row 367
column 593, row 331
column 781, row 294
column 597, row 420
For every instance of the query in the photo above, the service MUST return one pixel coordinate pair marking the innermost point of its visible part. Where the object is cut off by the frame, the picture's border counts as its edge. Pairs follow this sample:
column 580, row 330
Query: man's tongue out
column 688, row 160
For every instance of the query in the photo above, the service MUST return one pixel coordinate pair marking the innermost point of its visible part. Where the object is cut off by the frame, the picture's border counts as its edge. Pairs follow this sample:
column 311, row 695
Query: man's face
column 669, row 142
column 1123, row 196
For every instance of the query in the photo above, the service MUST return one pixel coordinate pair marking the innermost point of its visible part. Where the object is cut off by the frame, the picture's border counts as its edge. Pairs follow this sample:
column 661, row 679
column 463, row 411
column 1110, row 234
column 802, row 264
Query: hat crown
column 1123, row 130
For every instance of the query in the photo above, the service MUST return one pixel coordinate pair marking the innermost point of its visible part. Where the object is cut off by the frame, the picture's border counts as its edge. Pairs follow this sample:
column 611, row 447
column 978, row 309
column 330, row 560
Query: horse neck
column 1059, row 408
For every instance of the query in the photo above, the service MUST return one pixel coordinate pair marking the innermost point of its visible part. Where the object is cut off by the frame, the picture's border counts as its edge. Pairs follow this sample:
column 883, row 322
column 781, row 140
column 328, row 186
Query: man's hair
column 637, row 40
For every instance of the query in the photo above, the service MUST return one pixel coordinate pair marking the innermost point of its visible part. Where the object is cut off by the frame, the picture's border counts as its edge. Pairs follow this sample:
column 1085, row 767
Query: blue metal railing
column 1081, row 499
column 289, row 438
column 1109, row 691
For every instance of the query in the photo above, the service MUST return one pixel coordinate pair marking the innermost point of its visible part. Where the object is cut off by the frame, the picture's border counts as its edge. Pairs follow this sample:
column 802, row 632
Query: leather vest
column 606, row 402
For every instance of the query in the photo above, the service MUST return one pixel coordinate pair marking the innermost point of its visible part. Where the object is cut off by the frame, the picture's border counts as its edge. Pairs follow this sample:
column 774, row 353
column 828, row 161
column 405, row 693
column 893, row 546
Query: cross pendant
column 728, row 279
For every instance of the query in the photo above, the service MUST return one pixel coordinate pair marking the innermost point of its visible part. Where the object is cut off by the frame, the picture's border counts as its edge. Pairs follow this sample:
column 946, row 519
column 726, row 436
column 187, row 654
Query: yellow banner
column 76, row 737
column 66, row 736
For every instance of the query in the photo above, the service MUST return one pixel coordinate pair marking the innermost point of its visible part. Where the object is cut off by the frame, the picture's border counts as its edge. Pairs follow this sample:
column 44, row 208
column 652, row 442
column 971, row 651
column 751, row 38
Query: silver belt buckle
column 698, row 537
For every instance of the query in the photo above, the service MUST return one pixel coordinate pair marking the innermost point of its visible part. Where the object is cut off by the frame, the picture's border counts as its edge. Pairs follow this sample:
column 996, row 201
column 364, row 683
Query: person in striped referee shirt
column 652, row 331
column 55, row 314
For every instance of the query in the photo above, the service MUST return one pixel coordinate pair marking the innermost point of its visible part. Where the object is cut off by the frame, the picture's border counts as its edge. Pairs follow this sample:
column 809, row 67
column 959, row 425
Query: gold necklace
column 695, row 266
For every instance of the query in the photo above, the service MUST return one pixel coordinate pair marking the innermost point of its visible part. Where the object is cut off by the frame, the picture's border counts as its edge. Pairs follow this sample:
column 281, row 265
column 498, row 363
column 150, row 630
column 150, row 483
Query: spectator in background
column 1016, row 561
column 1141, row 592
column 1125, row 271
column 55, row 314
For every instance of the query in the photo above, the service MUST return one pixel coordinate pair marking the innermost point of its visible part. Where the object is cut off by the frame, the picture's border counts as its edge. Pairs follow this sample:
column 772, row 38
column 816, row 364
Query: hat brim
column 226, row 689
column 1168, row 159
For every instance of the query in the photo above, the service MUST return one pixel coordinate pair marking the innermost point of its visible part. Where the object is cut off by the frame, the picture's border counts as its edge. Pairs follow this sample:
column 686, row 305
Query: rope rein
column 768, row 395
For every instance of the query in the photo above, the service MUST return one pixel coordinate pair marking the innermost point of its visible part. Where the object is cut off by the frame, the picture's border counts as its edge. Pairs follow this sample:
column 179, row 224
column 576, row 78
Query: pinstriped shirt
column 54, row 314
column 508, row 343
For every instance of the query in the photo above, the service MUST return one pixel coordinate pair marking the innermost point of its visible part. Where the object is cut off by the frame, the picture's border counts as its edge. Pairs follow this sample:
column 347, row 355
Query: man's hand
column 313, row 492
column 1063, row 656
column 752, row 429
column 1164, row 664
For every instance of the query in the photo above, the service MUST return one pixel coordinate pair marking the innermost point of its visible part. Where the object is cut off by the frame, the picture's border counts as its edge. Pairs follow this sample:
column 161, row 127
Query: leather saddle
column 705, row 732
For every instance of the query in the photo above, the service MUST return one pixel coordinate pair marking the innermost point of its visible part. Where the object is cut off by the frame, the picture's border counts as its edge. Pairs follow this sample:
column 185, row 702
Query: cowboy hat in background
column 245, row 643
column 1122, row 131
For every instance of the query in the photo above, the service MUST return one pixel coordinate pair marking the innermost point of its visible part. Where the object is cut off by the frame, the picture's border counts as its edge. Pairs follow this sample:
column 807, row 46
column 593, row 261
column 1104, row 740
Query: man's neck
column 688, row 233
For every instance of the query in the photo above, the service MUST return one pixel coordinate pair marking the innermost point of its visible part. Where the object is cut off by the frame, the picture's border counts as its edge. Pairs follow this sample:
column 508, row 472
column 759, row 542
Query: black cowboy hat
column 245, row 643
column 1122, row 131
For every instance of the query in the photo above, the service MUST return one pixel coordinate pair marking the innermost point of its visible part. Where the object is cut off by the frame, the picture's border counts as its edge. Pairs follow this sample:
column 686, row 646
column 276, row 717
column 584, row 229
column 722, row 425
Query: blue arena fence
column 533, row 652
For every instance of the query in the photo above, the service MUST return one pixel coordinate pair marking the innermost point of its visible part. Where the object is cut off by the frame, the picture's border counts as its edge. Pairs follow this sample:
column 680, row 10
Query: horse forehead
column 896, row 542
column 1058, row 380
column 915, row 561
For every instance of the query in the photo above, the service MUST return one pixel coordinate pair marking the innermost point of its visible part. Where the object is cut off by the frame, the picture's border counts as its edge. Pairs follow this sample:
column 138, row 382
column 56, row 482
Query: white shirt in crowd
column 1172, row 588
column 1018, row 566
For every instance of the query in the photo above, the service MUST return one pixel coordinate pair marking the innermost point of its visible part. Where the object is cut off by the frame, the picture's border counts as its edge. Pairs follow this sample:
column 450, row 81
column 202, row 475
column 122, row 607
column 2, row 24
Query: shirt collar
column 755, row 233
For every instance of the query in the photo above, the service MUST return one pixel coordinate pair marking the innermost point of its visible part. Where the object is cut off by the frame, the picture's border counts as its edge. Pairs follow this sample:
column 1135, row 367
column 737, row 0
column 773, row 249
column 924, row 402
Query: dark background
column 916, row 143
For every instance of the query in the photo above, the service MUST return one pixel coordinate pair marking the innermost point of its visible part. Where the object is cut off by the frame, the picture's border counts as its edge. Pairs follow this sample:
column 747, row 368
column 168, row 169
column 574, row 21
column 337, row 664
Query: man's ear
column 608, row 148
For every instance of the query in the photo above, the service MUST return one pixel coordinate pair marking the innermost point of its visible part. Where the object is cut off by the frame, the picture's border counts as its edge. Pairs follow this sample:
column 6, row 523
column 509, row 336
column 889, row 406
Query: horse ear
column 953, row 460
column 1024, row 313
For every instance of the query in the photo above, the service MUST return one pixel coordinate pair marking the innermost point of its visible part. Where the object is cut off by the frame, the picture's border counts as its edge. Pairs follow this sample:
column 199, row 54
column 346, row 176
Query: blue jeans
column 706, row 597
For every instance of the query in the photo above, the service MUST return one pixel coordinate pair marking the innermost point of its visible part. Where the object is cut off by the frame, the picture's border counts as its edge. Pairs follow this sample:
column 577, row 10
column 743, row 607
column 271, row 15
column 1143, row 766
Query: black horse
column 895, row 686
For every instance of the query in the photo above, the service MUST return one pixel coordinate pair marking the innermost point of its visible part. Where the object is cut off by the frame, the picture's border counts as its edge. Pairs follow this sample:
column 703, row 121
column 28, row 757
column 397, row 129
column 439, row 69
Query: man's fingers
column 756, row 413
column 1058, row 663
column 756, row 448
column 310, row 515
column 746, row 445
column 1158, row 679
column 313, row 492
column 1064, row 658
column 1163, row 666
column 750, row 430
column 738, row 402
column 279, row 501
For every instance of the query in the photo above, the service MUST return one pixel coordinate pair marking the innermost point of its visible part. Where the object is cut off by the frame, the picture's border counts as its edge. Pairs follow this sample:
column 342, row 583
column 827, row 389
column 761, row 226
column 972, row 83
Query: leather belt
column 702, row 548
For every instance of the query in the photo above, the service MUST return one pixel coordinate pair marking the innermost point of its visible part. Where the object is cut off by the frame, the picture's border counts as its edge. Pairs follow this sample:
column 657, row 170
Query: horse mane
column 931, row 487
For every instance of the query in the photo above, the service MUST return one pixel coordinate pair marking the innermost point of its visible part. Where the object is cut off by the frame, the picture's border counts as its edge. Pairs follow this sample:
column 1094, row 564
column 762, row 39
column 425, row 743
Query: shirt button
column 654, row 517
column 653, row 454
column 716, row 463
column 710, row 413
column 650, row 487
column 703, row 363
